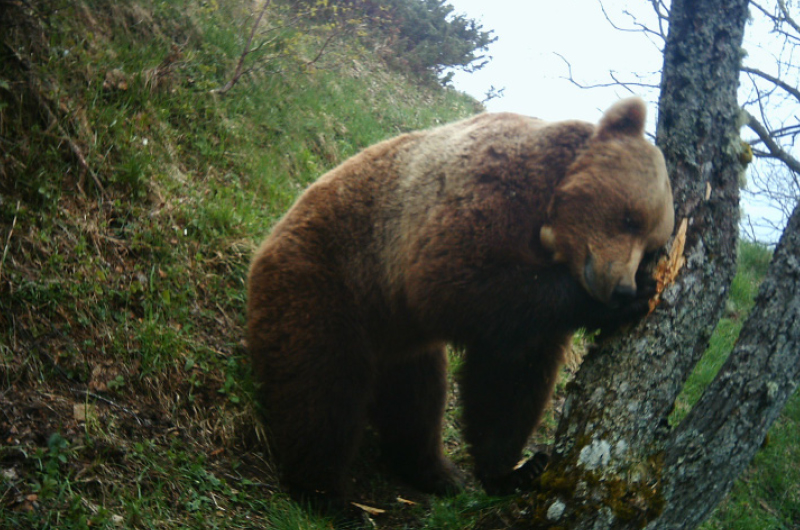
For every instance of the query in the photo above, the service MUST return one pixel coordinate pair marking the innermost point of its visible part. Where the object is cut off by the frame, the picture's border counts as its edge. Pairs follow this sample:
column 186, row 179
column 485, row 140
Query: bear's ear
column 624, row 118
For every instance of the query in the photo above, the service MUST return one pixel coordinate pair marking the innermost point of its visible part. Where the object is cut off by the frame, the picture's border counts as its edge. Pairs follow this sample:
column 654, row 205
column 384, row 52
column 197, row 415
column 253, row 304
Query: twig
column 322, row 49
column 8, row 241
column 772, row 79
column 773, row 147
column 240, row 65
column 108, row 402
column 640, row 27
column 613, row 75
column 787, row 17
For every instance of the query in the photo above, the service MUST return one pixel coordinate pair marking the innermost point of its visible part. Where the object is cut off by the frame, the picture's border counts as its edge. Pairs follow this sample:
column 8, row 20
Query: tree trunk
column 617, row 463
column 614, row 433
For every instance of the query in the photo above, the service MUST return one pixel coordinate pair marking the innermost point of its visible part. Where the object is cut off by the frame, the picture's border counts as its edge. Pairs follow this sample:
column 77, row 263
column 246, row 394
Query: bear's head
column 613, row 206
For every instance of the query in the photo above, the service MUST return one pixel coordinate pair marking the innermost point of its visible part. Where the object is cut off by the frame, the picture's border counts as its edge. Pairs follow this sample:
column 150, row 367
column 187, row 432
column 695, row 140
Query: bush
column 421, row 36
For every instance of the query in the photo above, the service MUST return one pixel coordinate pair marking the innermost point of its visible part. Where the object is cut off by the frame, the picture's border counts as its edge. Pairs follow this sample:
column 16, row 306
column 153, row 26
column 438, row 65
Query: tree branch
column 772, row 79
column 787, row 17
column 614, row 83
column 245, row 52
column 774, row 149
column 322, row 48
column 726, row 427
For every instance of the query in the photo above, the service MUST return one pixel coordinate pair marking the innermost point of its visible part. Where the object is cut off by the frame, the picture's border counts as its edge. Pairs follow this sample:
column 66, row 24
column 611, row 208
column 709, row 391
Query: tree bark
column 617, row 463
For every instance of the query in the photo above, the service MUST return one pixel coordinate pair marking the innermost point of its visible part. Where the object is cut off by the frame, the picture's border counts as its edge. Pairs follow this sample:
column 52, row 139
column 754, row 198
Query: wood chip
column 369, row 509
column 670, row 265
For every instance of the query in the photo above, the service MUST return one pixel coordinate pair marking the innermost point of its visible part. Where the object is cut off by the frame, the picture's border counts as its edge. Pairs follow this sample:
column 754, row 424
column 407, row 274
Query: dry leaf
column 406, row 501
column 670, row 265
column 369, row 509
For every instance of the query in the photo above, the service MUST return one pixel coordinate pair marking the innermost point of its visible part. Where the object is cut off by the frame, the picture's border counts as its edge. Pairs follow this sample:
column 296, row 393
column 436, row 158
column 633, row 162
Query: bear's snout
column 609, row 285
column 590, row 279
column 622, row 295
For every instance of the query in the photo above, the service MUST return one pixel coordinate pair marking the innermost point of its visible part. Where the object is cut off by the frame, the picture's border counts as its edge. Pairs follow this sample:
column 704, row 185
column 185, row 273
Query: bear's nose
column 622, row 295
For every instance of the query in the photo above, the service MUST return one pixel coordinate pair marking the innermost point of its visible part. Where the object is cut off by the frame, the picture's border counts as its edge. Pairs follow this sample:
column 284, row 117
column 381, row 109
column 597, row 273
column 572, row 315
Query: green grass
column 127, row 302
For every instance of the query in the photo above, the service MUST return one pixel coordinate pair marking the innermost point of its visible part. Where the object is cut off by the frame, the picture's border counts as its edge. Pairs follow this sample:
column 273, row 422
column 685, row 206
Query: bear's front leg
column 504, row 396
column 408, row 412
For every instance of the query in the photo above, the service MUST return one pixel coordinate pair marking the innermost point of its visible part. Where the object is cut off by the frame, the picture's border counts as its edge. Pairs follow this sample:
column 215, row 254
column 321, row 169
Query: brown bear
column 500, row 234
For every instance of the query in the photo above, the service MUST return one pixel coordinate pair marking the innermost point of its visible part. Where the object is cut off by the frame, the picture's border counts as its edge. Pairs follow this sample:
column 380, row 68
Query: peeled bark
column 617, row 462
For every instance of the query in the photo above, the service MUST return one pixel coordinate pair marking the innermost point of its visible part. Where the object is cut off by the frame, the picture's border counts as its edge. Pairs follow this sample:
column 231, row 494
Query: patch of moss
column 636, row 501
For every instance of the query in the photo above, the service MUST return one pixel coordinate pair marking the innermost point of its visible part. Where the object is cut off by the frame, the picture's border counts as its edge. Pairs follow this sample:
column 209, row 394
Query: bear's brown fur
column 501, row 234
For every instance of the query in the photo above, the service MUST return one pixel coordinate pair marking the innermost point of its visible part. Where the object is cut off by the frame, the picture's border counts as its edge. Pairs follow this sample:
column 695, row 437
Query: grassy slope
column 124, row 378
column 123, row 374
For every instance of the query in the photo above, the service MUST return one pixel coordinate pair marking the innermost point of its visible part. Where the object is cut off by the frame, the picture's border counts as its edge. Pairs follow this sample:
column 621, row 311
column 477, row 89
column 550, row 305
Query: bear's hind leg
column 315, row 376
column 320, row 437
column 504, row 394
column 408, row 413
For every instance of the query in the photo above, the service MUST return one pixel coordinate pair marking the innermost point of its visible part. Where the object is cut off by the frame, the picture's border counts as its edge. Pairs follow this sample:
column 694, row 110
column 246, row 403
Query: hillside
column 131, row 198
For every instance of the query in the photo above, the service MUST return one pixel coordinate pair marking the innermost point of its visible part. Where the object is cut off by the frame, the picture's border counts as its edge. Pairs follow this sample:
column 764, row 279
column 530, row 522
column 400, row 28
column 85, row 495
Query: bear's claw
column 522, row 478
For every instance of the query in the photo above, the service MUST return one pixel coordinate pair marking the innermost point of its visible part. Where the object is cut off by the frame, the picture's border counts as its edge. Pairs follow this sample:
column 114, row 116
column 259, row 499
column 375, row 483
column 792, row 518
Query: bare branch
column 323, row 47
column 662, row 12
column 789, row 130
column 767, row 13
column 616, row 82
column 639, row 27
column 772, row 79
column 8, row 240
column 774, row 149
column 787, row 17
column 240, row 65
column 615, row 25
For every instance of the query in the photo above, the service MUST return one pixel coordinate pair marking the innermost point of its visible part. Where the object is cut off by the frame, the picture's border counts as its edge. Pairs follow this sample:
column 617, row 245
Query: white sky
column 531, row 33
column 524, row 61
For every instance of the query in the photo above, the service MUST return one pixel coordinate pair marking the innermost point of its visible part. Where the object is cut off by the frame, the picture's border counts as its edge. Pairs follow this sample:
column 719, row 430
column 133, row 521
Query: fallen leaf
column 406, row 501
column 79, row 412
